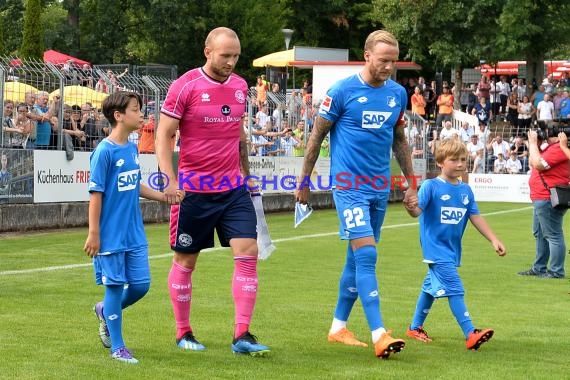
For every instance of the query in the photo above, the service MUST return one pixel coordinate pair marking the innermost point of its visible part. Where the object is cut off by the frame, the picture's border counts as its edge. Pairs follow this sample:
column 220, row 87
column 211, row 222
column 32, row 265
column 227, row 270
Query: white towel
column 264, row 245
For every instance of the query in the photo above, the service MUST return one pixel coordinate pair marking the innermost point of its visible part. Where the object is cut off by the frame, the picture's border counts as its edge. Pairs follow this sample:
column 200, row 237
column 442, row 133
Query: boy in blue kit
column 444, row 206
column 116, row 239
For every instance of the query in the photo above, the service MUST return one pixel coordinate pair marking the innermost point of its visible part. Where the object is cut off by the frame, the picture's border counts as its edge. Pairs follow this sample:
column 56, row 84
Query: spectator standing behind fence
column 445, row 107
column 495, row 99
column 418, row 102
column 538, row 96
column 88, row 124
column 299, row 135
column 513, row 112
column 504, row 91
column 261, row 117
column 101, row 86
column 261, row 91
column 525, row 112
column 479, row 162
column 361, row 145
column 545, row 109
column 212, row 141
column 14, row 133
column 71, row 115
column 294, row 108
column 483, row 110
column 5, row 178
column 146, row 136
column 484, row 88
column 429, row 96
column 43, row 126
column 549, row 168
column 565, row 105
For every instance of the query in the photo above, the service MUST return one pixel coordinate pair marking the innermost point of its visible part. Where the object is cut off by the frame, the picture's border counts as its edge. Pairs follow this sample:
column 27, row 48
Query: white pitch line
column 165, row 255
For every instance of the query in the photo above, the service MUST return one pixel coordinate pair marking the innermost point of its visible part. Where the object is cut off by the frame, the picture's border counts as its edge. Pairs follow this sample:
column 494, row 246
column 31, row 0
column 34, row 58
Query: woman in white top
column 526, row 110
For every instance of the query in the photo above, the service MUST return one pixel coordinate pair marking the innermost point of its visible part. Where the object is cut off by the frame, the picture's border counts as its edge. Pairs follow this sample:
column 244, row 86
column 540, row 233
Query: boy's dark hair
column 118, row 101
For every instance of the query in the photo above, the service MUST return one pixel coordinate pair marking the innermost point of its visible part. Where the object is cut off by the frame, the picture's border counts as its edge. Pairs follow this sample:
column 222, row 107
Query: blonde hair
column 380, row 36
column 450, row 148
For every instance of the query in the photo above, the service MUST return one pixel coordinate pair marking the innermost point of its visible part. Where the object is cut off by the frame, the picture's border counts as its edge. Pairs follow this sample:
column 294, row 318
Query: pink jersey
column 210, row 115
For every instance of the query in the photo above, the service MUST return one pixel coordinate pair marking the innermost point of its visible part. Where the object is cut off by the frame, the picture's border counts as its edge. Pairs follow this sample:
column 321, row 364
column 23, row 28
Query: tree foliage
column 33, row 34
column 439, row 34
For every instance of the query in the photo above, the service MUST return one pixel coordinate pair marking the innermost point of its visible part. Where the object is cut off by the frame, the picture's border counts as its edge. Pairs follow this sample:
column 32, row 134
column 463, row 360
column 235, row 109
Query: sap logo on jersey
column 452, row 215
column 375, row 120
column 128, row 180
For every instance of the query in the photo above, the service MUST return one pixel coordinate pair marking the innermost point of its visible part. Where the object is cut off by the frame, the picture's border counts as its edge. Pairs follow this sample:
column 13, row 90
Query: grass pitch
column 48, row 330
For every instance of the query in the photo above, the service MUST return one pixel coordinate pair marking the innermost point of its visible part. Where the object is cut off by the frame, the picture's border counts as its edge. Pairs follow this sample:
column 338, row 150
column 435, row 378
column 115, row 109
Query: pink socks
column 180, row 288
column 244, row 291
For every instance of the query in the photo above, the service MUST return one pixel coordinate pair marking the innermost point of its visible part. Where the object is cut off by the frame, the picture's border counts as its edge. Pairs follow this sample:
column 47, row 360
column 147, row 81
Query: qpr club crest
column 226, row 110
column 185, row 240
column 391, row 101
column 240, row 97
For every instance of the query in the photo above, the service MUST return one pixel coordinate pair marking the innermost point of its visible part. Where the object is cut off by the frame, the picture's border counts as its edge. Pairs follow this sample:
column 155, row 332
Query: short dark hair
column 118, row 101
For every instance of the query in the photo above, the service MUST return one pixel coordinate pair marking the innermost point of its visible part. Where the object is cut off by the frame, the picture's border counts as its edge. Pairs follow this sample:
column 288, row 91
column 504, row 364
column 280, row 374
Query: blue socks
column 367, row 285
column 457, row 306
column 133, row 293
column 116, row 299
column 347, row 293
column 459, row 310
column 114, row 314
column 423, row 306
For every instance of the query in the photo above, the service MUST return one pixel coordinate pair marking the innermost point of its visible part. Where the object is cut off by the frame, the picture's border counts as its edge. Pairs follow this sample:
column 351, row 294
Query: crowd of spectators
column 504, row 112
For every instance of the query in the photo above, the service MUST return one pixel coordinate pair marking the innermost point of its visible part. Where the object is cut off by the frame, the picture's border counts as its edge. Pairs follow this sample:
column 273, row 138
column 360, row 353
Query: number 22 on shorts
column 354, row 218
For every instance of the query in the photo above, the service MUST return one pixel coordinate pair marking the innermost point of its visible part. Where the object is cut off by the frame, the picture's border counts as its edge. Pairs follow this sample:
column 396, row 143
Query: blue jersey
column 446, row 208
column 361, row 137
column 115, row 172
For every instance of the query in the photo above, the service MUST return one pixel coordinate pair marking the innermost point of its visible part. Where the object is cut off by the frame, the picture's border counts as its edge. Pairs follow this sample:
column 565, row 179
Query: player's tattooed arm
column 402, row 152
column 321, row 128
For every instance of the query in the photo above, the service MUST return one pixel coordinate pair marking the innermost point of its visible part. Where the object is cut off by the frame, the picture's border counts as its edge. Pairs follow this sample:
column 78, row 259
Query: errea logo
column 452, row 215
column 373, row 119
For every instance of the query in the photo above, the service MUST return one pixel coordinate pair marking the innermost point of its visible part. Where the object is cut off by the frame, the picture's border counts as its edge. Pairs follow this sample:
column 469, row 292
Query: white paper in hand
column 264, row 245
column 302, row 212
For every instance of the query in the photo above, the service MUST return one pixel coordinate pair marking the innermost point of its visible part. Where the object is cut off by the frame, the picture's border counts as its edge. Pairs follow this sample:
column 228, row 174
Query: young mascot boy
column 116, row 239
column 444, row 206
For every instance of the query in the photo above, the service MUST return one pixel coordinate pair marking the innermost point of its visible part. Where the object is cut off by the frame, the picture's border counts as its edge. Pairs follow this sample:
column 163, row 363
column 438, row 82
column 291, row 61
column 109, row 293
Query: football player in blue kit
column 364, row 115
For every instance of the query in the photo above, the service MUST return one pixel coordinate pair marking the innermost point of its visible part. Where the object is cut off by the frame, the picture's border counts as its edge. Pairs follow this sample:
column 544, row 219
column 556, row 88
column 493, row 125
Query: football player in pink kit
column 206, row 104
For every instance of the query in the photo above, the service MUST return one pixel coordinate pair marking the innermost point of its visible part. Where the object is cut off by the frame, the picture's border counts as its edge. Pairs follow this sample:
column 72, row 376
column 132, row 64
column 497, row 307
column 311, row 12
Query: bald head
column 222, row 50
column 221, row 31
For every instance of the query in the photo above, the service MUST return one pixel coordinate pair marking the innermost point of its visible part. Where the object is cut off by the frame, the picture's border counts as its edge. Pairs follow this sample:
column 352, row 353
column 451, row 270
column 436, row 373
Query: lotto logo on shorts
column 374, row 120
column 128, row 180
column 452, row 215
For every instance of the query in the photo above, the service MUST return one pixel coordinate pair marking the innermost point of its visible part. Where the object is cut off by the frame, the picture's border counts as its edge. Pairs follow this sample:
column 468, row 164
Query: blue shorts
column 360, row 214
column 442, row 280
column 119, row 268
column 192, row 223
